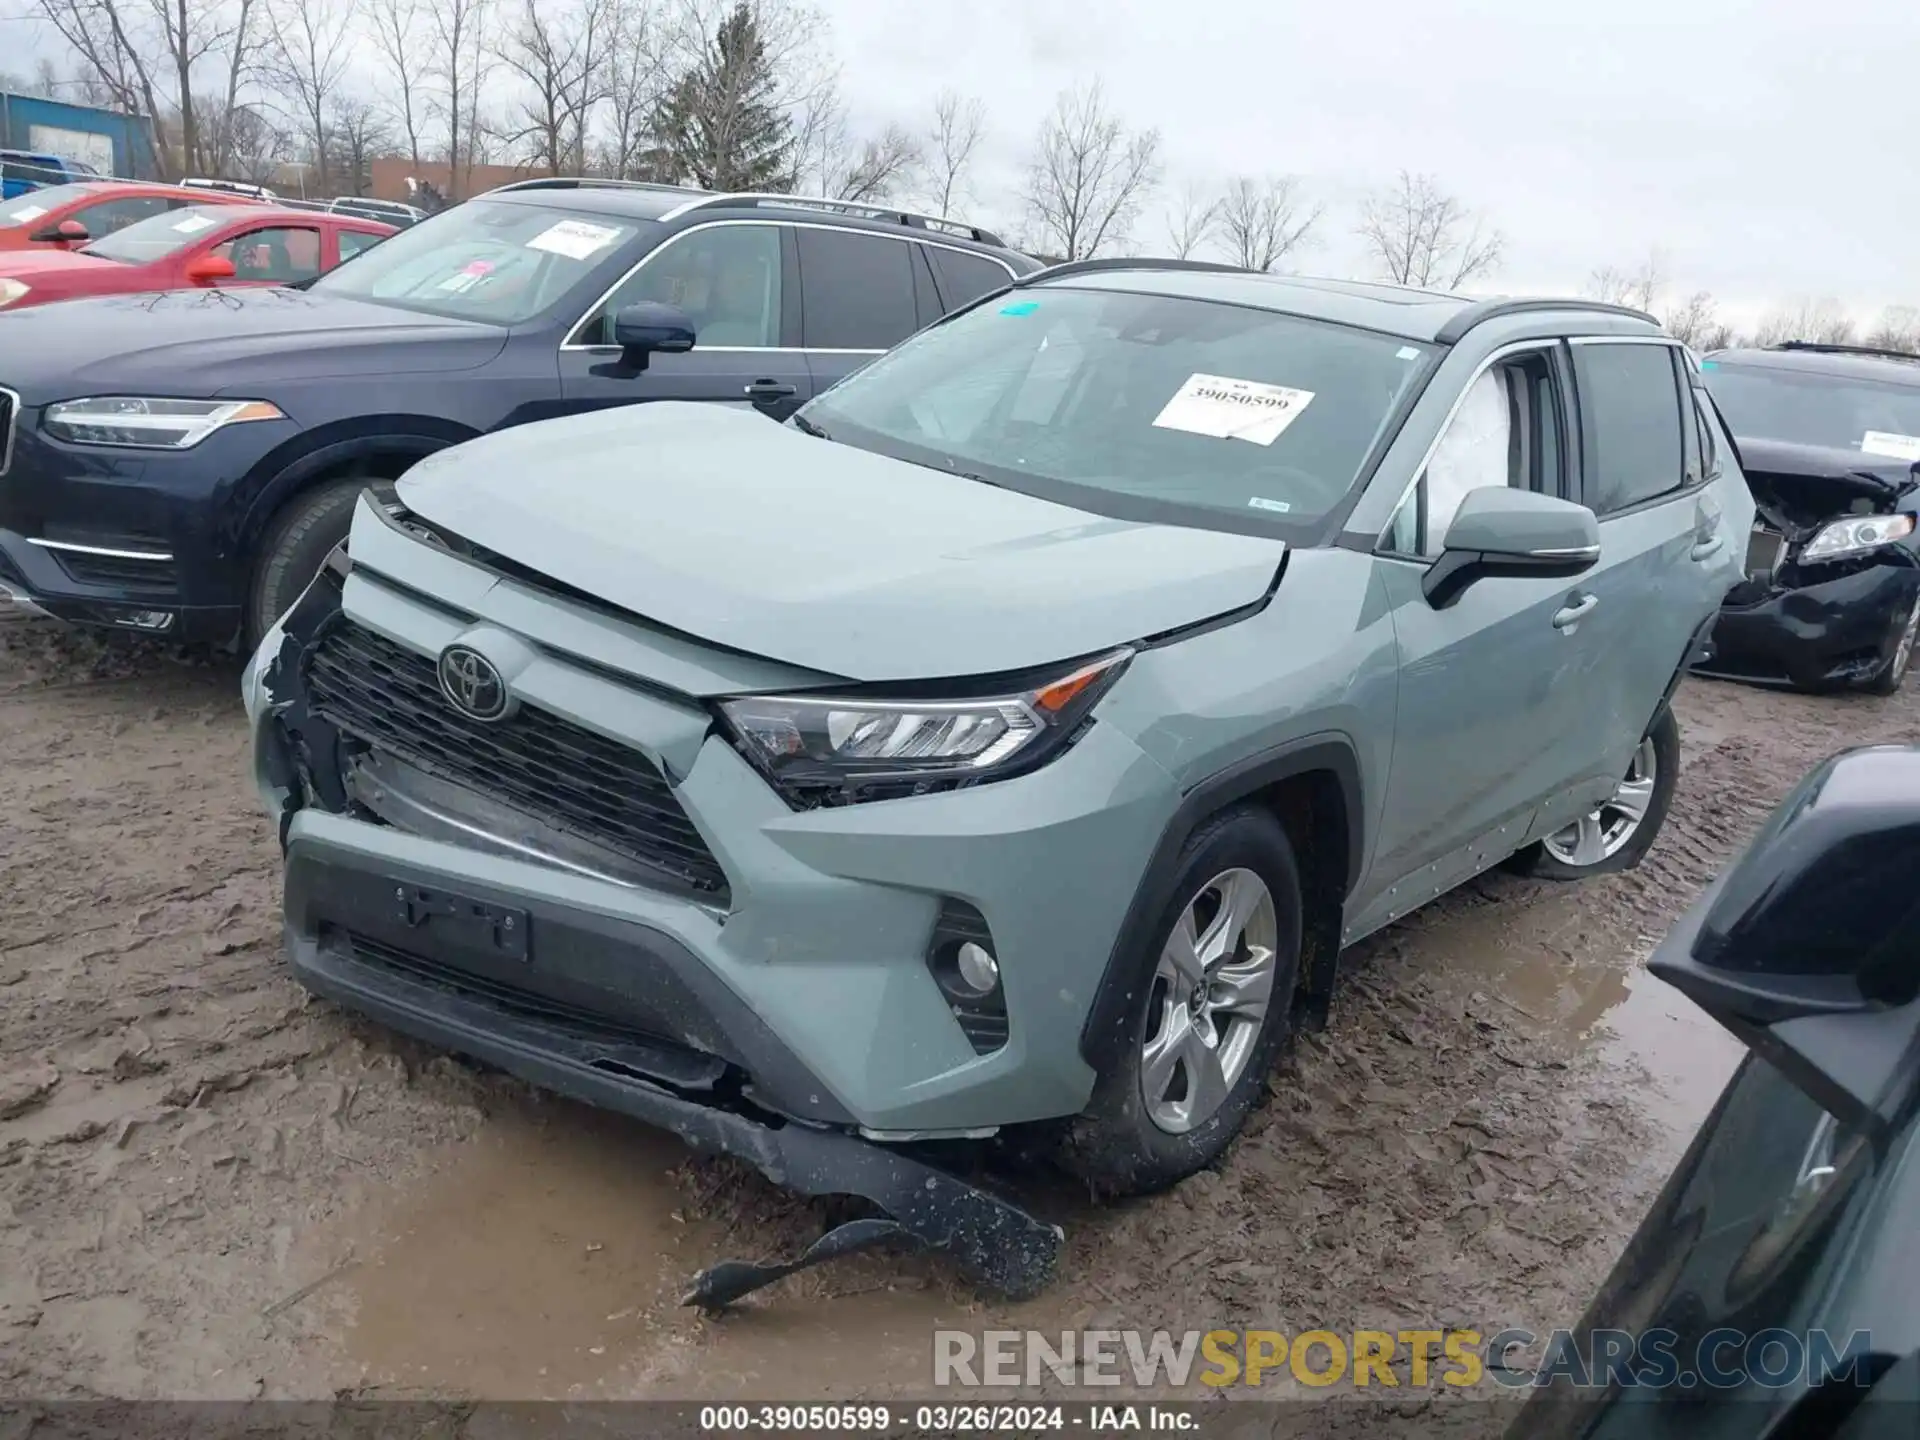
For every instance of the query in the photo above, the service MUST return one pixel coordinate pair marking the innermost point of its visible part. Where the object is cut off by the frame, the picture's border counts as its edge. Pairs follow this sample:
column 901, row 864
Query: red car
column 68, row 215
column 214, row 244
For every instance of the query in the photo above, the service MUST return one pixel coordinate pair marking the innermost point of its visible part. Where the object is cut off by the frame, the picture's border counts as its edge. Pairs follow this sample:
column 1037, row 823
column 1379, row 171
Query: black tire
column 1893, row 674
column 1541, row 862
column 1114, row 1144
column 296, row 544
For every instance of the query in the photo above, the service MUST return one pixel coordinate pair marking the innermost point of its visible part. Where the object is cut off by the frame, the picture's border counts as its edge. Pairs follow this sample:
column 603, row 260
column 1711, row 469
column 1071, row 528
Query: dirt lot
column 212, row 1187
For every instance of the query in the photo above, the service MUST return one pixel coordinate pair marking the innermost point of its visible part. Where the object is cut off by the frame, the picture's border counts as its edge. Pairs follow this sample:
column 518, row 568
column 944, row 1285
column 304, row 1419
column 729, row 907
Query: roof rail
column 587, row 182
column 1481, row 311
column 1818, row 348
column 1121, row 262
column 888, row 214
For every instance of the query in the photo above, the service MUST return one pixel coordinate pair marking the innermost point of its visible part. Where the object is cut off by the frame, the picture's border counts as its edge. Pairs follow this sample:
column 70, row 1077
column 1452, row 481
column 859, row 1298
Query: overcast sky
column 1764, row 147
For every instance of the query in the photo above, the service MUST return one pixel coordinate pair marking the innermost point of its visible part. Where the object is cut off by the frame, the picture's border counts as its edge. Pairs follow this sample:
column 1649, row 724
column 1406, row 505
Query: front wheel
column 1209, row 1017
column 296, row 545
column 1892, row 675
column 1618, row 833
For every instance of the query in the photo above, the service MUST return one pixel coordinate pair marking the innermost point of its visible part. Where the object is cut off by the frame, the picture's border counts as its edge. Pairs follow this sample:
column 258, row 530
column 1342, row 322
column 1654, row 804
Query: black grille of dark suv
column 388, row 696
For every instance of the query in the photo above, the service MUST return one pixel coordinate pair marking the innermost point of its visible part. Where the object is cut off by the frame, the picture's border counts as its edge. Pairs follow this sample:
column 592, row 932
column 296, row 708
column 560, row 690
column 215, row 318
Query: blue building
column 107, row 140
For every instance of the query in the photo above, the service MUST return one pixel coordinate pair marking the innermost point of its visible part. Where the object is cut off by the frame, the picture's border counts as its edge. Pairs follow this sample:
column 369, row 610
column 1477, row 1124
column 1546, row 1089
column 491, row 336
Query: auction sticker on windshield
column 26, row 213
column 575, row 239
column 1897, row 447
column 1230, row 409
column 193, row 225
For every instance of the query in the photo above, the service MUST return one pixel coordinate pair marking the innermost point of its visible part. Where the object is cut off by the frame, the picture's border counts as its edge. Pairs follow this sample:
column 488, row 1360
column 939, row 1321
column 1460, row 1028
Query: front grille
column 579, row 782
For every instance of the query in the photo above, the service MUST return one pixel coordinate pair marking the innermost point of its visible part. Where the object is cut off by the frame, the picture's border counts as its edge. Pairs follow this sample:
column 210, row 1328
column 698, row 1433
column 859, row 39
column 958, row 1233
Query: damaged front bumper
column 1814, row 632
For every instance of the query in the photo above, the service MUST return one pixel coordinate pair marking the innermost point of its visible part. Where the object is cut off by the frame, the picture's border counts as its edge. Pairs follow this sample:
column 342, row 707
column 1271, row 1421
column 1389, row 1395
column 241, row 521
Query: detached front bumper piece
column 994, row 1241
column 1829, row 632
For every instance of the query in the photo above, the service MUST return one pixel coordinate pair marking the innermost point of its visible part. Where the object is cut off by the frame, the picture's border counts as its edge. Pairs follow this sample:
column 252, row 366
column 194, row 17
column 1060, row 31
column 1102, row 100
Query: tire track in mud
column 189, row 1148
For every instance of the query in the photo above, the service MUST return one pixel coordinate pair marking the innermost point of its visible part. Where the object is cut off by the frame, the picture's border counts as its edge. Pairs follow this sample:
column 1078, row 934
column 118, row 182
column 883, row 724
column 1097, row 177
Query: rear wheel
column 1210, row 1015
column 296, row 545
column 1615, row 835
column 1893, row 674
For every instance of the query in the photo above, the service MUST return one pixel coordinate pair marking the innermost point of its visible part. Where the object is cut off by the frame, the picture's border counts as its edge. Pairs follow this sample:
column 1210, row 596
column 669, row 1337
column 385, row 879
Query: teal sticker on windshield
column 1709, row 364
column 1020, row 307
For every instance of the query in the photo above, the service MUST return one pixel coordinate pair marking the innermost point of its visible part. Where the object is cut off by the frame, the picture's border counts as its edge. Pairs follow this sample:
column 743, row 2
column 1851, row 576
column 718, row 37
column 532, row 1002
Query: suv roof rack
column 588, row 182
column 1481, row 311
column 1816, row 347
column 889, row 214
column 1123, row 262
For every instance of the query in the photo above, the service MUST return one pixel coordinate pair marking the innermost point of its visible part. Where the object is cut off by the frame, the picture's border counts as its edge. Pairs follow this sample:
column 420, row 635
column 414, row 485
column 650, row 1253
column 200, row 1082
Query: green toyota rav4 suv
column 1011, row 741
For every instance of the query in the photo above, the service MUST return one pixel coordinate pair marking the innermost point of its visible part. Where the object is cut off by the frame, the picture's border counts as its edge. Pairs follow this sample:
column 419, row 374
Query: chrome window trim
column 13, row 428
column 156, row 556
column 1503, row 352
column 567, row 346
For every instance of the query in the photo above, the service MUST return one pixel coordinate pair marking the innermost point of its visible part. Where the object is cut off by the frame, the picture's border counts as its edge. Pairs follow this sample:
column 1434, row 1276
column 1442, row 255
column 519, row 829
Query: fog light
column 979, row 971
column 144, row 619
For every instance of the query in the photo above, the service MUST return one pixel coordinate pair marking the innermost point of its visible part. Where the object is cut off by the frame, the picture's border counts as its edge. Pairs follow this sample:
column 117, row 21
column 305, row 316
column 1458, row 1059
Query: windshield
column 1765, row 403
column 158, row 236
column 27, row 208
column 498, row 263
column 1143, row 406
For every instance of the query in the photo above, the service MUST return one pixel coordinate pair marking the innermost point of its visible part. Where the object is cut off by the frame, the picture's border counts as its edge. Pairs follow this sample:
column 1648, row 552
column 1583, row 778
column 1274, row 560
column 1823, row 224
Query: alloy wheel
column 1209, row 1000
column 1602, row 833
column 1903, row 651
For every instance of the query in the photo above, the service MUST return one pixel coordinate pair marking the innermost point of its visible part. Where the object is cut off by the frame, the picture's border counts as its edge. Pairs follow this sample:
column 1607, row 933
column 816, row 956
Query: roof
column 253, row 213
column 1426, row 315
column 1831, row 361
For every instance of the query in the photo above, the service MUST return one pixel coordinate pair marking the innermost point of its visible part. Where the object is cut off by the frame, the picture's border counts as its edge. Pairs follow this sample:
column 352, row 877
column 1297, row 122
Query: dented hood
column 722, row 524
column 1812, row 483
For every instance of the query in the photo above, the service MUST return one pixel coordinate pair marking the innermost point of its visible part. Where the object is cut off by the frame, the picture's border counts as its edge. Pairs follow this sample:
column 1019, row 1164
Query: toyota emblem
column 472, row 683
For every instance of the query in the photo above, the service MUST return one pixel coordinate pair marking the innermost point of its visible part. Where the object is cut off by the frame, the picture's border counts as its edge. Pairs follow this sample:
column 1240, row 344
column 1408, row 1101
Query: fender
column 292, row 467
column 1328, row 750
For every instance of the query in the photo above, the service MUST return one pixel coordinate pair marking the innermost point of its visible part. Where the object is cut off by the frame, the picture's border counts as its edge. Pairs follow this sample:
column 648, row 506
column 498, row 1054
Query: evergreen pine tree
column 721, row 121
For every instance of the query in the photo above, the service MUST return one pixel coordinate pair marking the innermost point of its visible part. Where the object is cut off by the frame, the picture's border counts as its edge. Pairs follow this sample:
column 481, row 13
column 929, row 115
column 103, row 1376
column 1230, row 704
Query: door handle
column 761, row 390
column 1569, row 615
column 1708, row 548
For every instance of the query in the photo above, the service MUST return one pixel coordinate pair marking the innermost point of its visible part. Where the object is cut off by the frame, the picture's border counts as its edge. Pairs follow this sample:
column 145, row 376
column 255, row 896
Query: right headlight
column 13, row 291
column 847, row 749
column 1856, row 536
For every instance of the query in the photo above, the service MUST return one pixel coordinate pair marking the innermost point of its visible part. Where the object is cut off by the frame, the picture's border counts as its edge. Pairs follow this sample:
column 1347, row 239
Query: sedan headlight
column 12, row 291
column 1851, row 537
column 848, row 749
column 150, row 424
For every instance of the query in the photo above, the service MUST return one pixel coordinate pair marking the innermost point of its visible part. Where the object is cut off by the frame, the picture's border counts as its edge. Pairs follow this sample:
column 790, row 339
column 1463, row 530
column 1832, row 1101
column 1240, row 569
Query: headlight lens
column 150, row 424
column 1850, row 537
column 846, row 749
column 12, row 291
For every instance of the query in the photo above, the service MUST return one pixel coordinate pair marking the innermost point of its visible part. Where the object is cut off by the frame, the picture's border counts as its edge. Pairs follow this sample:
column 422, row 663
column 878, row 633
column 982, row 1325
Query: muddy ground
column 211, row 1186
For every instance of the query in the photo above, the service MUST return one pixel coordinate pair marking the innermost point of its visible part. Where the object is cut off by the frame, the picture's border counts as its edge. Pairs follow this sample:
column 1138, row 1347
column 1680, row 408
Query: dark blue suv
column 182, row 463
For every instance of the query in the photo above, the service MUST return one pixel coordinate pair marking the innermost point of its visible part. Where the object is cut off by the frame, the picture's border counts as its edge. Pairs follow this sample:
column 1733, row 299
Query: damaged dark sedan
column 1829, row 439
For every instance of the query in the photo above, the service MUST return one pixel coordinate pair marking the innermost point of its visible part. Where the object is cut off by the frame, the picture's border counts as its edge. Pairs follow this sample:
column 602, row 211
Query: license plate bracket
column 462, row 921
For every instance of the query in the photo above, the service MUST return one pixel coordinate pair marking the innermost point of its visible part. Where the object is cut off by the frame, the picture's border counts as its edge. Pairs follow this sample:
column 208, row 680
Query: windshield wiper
column 807, row 427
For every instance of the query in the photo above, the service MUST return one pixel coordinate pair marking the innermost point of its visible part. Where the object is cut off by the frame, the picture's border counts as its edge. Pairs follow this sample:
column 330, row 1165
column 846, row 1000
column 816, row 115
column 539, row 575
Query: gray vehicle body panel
column 735, row 556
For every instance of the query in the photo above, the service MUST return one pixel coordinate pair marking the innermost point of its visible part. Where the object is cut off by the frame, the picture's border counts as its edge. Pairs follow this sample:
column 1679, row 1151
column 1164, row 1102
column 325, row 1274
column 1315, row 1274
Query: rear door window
column 856, row 291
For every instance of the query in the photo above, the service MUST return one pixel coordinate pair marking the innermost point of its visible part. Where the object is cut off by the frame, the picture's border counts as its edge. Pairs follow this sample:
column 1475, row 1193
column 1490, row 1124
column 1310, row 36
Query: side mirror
column 207, row 269
column 641, row 330
column 1501, row 531
column 1808, row 947
column 67, row 232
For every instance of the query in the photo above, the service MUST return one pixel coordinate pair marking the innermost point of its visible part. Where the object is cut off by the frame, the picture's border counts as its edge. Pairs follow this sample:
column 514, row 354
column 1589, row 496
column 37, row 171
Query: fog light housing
column 964, row 966
column 150, row 620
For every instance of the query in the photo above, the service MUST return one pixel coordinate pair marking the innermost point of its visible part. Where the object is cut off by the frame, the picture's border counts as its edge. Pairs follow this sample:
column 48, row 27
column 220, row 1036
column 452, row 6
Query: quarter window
column 726, row 277
column 1630, row 406
column 856, row 291
column 352, row 242
column 965, row 277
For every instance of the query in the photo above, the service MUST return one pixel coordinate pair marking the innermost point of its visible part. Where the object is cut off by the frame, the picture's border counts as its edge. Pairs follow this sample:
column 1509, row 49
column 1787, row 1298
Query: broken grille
column 388, row 696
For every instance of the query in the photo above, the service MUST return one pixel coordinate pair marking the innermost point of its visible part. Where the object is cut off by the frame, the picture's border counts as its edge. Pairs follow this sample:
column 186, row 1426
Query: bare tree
column 1089, row 175
column 959, row 124
column 357, row 131
column 1419, row 235
column 1191, row 219
column 1898, row 328
column 116, row 48
column 1261, row 222
column 458, row 36
column 563, row 61
column 397, row 29
column 830, row 162
column 306, row 62
column 637, row 77
column 1638, row 288
column 1695, row 323
column 1821, row 322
